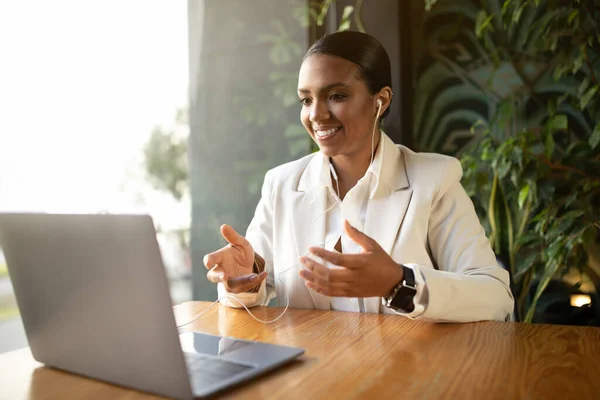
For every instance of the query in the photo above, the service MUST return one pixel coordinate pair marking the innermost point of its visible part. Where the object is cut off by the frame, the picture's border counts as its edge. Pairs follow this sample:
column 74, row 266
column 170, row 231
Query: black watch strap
column 402, row 297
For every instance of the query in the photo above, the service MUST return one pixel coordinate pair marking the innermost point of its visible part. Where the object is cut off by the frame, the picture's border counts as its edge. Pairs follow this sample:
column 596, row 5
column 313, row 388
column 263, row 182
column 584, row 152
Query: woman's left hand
column 372, row 273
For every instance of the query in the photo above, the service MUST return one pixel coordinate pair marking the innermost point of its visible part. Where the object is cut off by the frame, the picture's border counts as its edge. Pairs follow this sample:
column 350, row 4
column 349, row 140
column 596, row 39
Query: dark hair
column 363, row 50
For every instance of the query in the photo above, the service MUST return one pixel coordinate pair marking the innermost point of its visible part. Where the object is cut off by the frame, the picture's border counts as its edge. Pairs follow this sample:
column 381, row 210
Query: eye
column 305, row 101
column 337, row 96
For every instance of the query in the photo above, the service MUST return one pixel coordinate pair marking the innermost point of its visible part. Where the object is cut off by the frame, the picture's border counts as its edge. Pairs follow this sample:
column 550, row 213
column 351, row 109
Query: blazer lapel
column 385, row 211
column 309, row 218
column 387, row 207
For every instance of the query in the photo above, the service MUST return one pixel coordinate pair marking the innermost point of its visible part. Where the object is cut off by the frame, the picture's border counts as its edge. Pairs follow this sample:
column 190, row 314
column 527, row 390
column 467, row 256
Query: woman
column 363, row 225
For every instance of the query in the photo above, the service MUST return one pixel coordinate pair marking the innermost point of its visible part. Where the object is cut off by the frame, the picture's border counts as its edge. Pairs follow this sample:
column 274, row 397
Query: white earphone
column 379, row 104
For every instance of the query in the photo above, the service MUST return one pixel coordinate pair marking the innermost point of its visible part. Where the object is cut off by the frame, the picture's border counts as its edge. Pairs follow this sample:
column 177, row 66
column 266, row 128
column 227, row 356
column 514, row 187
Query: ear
column 385, row 97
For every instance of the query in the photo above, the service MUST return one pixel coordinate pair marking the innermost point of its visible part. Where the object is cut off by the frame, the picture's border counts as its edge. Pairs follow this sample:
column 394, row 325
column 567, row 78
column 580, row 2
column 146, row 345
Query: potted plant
column 532, row 161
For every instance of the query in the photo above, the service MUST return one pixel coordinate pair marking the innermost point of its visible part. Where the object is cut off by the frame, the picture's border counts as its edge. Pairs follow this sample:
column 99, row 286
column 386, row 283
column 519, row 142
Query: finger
column 244, row 283
column 216, row 274
column 336, row 290
column 212, row 259
column 333, row 277
column 342, row 260
column 232, row 236
column 360, row 238
column 315, row 267
column 324, row 276
column 313, row 278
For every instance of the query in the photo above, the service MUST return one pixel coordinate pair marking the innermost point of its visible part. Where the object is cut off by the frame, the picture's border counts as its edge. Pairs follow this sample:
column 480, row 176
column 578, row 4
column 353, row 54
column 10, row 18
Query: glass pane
column 93, row 94
column 244, row 111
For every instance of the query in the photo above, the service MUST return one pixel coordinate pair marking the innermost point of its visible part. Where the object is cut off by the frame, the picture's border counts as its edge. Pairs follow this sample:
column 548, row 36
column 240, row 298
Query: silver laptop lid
column 94, row 298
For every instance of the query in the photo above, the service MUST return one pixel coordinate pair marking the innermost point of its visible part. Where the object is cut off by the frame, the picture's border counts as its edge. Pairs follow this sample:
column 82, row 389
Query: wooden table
column 351, row 355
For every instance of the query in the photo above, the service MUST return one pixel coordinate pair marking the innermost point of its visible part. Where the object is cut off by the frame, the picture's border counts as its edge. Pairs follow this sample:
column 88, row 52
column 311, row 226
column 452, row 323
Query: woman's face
column 337, row 109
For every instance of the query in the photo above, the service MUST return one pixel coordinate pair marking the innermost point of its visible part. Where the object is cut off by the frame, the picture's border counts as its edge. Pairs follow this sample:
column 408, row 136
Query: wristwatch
column 403, row 294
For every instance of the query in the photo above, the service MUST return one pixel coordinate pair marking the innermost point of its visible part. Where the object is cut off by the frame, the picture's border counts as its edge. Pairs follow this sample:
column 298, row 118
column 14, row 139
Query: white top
column 354, row 209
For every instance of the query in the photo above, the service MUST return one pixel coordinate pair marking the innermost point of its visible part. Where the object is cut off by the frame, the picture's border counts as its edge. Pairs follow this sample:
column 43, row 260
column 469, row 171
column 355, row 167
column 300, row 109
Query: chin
column 329, row 151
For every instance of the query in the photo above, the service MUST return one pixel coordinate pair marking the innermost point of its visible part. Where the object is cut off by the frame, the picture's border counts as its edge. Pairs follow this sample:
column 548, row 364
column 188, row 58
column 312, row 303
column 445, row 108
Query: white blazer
column 419, row 214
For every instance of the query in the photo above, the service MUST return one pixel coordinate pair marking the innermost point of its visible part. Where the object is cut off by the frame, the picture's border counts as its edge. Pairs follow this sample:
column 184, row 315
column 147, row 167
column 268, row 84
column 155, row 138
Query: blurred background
column 177, row 109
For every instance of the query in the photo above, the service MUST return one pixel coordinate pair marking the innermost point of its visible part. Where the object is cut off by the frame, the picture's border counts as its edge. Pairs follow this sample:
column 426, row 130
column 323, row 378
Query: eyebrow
column 325, row 88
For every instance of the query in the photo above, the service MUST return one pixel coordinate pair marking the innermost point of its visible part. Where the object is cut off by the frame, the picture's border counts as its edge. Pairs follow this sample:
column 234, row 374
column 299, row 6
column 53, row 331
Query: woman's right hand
column 233, row 264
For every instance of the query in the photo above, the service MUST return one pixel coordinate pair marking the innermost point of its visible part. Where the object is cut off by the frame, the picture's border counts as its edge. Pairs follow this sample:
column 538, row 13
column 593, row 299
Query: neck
column 350, row 168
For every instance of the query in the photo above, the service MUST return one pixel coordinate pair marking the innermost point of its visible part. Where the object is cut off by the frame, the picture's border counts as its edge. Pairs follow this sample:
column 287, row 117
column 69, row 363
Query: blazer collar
column 391, row 170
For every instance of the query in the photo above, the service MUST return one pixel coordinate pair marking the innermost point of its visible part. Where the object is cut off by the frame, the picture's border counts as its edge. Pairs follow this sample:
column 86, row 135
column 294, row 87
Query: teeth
column 326, row 133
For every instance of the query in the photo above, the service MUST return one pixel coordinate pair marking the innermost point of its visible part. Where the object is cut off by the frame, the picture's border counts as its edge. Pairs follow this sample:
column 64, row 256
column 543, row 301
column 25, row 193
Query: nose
column 319, row 111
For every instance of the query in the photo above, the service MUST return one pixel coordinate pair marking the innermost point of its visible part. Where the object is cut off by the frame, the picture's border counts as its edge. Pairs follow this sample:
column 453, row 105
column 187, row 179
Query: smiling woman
column 341, row 102
column 363, row 225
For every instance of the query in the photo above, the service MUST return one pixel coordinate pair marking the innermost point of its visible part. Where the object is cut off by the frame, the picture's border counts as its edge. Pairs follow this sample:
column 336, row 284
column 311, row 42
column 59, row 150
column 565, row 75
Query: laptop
column 94, row 299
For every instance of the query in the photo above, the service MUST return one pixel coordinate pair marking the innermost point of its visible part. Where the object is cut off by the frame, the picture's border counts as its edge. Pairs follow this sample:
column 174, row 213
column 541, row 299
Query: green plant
column 318, row 11
column 532, row 165
column 165, row 157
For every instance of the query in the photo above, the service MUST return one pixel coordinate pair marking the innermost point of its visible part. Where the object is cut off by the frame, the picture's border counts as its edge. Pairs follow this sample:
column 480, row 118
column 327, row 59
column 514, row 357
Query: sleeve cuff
column 248, row 299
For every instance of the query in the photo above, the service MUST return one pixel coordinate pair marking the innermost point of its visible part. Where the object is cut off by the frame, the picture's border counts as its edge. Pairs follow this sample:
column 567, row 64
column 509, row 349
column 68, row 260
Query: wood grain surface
column 371, row 356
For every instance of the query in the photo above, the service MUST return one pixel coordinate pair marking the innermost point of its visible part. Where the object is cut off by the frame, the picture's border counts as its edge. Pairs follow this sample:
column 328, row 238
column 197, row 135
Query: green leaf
column 572, row 214
column 483, row 22
column 519, row 12
column 517, row 156
column 323, row 12
column 549, row 271
column 527, row 238
column 561, row 99
column 523, row 193
column 505, row 6
column 344, row 26
column 584, row 85
column 572, row 16
column 429, row 4
column 566, row 224
column 578, row 63
column 594, row 139
column 570, row 199
column 347, row 12
column 554, row 250
column 559, row 123
column 525, row 265
column 549, row 145
column 542, row 215
column 504, row 167
column 345, row 21
column 475, row 127
column 585, row 99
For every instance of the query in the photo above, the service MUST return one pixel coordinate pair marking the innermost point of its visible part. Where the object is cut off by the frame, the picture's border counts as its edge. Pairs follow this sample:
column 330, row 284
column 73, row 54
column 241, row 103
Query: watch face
column 403, row 300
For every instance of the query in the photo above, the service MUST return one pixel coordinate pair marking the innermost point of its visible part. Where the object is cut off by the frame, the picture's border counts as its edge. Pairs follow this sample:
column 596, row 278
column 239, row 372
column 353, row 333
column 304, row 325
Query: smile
column 325, row 134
